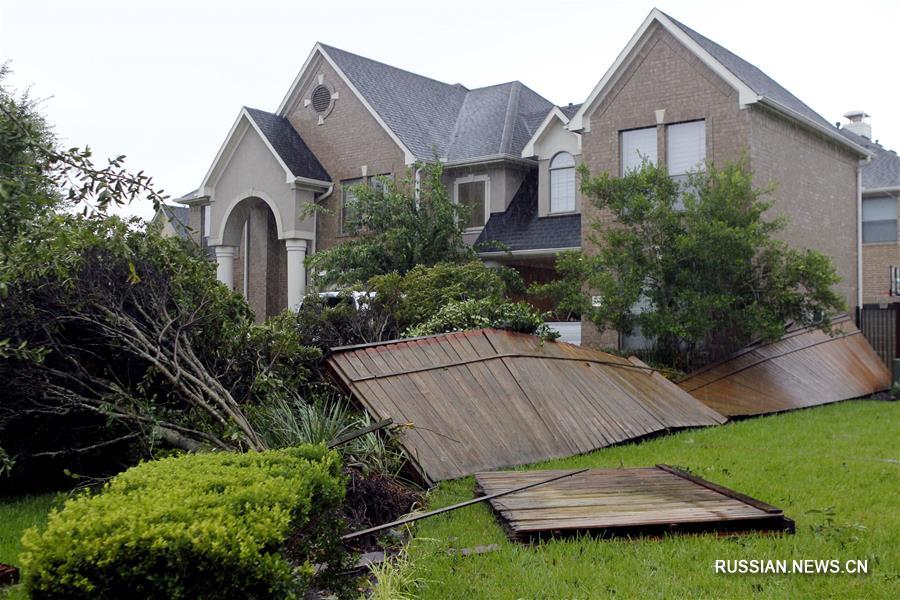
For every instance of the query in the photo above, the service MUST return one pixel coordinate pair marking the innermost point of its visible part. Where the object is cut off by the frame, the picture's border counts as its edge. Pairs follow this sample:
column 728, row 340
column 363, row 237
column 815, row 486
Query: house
column 671, row 95
column 173, row 221
column 880, row 179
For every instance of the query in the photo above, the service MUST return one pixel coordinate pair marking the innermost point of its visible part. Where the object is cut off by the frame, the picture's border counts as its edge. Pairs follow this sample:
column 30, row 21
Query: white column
column 225, row 265
column 296, row 271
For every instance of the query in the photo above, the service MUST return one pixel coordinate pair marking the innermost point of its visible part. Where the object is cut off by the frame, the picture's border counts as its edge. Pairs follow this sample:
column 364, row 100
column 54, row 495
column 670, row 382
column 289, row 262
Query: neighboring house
column 880, row 200
column 671, row 95
column 173, row 221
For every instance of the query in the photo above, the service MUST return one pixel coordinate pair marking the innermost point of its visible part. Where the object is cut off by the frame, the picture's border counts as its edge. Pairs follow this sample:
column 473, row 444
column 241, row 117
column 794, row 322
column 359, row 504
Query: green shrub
column 421, row 292
column 326, row 416
column 475, row 314
column 217, row 525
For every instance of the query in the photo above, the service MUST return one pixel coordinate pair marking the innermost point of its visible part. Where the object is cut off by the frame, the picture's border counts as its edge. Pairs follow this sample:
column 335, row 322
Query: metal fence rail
column 880, row 325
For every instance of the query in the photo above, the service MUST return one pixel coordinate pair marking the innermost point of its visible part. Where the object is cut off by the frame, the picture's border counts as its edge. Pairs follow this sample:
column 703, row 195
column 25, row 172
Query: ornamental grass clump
column 217, row 525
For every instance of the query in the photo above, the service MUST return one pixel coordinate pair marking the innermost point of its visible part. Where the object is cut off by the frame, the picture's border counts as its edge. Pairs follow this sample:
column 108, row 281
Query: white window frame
column 682, row 178
column 891, row 200
column 487, row 196
column 344, row 190
column 654, row 160
column 550, row 170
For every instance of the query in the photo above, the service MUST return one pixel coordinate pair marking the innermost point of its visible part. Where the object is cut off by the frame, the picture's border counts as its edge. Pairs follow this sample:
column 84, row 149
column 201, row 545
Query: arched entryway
column 254, row 259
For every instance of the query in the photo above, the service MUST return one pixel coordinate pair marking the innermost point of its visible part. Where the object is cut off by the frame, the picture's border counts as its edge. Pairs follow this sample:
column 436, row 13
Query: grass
column 17, row 515
column 824, row 466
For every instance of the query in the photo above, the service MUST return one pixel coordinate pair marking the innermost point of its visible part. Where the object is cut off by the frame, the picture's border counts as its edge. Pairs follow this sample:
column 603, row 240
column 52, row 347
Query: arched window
column 562, row 183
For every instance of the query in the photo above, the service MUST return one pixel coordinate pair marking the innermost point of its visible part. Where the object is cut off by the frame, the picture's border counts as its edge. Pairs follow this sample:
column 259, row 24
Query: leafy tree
column 26, row 191
column 702, row 259
column 567, row 291
column 37, row 176
column 136, row 330
column 398, row 225
column 392, row 304
column 111, row 335
column 462, row 315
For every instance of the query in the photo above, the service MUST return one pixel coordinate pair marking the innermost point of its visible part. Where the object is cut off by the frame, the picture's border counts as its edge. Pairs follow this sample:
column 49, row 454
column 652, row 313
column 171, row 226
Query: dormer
column 558, row 152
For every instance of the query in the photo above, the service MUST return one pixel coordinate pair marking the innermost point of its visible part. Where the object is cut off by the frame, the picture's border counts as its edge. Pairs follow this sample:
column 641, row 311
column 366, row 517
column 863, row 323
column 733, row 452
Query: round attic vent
column 321, row 98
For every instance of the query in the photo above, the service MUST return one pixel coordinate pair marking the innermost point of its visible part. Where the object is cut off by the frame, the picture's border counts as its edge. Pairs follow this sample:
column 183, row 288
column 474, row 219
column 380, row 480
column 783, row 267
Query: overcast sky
column 163, row 82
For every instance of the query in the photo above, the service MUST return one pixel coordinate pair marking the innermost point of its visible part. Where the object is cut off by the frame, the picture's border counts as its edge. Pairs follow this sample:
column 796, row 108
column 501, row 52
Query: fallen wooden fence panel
column 624, row 502
column 486, row 399
column 806, row 367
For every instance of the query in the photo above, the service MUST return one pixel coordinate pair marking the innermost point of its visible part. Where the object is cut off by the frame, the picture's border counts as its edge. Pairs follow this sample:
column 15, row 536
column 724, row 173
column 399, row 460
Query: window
column 473, row 192
column 562, row 183
column 638, row 145
column 349, row 212
column 685, row 150
column 879, row 219
column 349, row 208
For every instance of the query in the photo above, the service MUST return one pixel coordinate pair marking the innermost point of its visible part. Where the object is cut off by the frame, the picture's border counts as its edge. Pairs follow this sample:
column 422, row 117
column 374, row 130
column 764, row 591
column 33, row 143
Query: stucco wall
column 253, row 172
column 815, row 187
column 348, row 139
column 504, row 179
column 555, row 139
column 662, row 76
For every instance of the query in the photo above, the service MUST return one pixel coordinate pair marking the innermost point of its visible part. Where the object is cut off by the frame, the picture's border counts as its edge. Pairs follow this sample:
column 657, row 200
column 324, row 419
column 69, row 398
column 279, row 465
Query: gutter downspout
column 859, row 257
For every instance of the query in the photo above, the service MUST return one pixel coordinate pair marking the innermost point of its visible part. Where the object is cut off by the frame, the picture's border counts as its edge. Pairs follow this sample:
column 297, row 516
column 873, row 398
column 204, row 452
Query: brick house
column 671, row 95
column 880, row 180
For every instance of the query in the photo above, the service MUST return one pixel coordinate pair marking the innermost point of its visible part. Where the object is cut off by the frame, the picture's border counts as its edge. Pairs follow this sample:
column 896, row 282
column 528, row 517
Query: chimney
column 859, row 123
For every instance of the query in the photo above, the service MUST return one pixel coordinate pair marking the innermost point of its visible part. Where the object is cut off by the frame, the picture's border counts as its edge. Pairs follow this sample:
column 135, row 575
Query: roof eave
column 527, row 252
column 819, row 127
column 892, row 189
column 580, row 120
column 193, row 200
column 488, row 159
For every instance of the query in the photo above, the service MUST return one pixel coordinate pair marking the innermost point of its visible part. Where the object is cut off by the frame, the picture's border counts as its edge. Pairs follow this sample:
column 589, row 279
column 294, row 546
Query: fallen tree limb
column 439, row 511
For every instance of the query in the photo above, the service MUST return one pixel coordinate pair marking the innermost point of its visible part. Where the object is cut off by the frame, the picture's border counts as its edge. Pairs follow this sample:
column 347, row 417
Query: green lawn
column 15, row 517
column 824, row 466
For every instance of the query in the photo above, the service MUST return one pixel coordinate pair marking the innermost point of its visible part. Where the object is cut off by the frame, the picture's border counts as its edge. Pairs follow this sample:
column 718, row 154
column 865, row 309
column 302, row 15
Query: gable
column 750, row 83
column 424, row 117
column 294, row 159
column 320, row 62
column 551, row 137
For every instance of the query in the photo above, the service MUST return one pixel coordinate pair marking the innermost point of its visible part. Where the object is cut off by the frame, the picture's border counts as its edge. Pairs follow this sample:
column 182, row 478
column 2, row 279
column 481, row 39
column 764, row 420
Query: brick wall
column 816, row 183
column 348, row 139
column 816, row 178
column 877, row 262
column 663, row 75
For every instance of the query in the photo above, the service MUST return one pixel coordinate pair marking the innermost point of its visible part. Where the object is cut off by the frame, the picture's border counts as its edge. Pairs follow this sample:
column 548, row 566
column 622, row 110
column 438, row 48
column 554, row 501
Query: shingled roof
column 520, row 227
column 430, row 116
column 290, row 147
column 753, row 77
column 883, row 170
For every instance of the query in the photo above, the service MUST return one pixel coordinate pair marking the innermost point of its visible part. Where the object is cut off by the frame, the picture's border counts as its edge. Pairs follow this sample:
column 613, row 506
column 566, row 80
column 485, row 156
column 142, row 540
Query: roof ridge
column 512, row 113
column 384, row 64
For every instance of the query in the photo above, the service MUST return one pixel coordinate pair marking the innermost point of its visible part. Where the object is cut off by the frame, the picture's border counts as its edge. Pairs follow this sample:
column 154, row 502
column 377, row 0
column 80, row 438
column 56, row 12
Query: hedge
column 216, row 525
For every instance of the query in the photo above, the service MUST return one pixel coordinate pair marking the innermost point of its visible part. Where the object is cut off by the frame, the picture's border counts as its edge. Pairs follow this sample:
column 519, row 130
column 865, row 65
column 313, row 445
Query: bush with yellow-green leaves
column 216, row 525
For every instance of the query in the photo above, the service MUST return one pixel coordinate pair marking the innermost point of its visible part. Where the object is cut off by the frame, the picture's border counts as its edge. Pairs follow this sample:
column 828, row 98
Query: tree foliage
column 398, row 225
column 701, row 258
column 135, row 330
column 388, row 306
